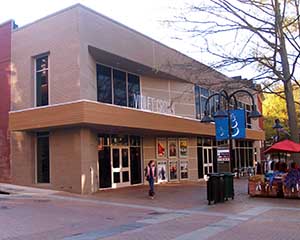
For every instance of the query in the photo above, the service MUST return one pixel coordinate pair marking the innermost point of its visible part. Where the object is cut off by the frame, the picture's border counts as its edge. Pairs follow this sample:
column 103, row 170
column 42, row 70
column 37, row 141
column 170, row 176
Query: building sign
column 238, row 126
column 223, row 155
column 153, row 104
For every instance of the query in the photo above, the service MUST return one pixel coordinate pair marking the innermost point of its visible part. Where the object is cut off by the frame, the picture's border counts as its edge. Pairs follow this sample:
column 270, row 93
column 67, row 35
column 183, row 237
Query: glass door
column 207, row 160
column 120, row 167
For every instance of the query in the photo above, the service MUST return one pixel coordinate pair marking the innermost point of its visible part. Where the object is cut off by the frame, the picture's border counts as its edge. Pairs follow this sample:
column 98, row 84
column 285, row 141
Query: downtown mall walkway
column 179, row 212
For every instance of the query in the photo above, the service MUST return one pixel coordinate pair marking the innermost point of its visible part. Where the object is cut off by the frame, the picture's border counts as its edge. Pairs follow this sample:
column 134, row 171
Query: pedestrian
column 151, row 176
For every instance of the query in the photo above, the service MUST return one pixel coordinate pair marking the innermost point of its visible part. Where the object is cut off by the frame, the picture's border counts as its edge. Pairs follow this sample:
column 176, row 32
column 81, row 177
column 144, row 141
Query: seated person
column 283, row 167
column 292, row 180
column 278, row 171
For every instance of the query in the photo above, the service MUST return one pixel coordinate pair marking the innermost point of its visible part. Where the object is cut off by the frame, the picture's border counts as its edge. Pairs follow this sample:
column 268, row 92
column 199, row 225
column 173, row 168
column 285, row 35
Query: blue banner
column 222, row 132
column 238, row 126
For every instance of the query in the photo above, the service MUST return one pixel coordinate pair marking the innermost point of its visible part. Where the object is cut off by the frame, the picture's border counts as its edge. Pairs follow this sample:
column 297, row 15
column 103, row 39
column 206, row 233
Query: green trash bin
column 228, row 186
column 215, row 188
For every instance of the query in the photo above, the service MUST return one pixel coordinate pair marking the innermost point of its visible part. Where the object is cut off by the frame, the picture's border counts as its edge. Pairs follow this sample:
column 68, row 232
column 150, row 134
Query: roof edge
column 6, row 22
column 48, row 16
column 81, row 6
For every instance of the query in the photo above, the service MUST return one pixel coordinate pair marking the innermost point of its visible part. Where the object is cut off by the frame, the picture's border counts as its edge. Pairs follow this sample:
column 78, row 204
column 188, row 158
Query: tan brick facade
column 76, row 39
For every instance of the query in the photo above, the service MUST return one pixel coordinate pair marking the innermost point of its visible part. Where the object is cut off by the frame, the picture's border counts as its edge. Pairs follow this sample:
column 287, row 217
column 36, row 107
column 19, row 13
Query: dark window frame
column 108, row 96
column 40, row 165
column 120, row 87
column 39, row 89
column 127, row 91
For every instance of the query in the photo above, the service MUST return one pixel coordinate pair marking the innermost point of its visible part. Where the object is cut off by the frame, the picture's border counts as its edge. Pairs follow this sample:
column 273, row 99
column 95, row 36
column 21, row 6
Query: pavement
column 179, row 212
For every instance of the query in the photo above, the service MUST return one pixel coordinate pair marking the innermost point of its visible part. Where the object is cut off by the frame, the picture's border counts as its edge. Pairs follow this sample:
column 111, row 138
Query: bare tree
column 264, row 34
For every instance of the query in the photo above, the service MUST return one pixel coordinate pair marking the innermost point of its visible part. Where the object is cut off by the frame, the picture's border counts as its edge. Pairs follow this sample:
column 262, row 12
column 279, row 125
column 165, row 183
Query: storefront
column 122, row 159
column 243, row 159
column 119, row 161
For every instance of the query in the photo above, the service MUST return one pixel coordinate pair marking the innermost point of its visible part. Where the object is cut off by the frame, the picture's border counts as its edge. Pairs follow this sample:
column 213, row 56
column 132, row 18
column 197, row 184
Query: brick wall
column 5, row 73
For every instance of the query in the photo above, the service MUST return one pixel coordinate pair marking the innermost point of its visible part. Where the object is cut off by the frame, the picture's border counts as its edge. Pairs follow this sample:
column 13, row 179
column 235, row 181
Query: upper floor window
column 104, row 84
column 117, row 87
column 133, row 90
column 42, row 80
column 201, row 96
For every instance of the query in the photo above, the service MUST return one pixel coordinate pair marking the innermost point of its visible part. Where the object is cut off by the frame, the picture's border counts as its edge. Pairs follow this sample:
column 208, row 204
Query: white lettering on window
column 153, row 104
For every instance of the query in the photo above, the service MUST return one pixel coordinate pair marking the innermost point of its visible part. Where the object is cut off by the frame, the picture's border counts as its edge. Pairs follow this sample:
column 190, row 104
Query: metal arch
column 223, row 93
column 207, row 101
column 232, row 95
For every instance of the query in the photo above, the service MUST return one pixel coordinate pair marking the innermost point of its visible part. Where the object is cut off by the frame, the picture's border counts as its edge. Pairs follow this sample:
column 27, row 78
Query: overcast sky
column 144, row 16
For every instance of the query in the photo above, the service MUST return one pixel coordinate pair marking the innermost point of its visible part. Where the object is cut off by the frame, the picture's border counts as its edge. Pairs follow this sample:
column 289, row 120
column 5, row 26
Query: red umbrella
column 284, row 146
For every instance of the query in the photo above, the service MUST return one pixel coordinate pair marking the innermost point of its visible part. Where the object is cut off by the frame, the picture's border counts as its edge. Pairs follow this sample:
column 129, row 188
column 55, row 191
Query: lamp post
column 278, row 127
column 223, row 111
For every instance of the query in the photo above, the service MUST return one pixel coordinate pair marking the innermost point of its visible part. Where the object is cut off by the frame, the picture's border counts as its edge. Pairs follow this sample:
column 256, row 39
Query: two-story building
column 92, row 101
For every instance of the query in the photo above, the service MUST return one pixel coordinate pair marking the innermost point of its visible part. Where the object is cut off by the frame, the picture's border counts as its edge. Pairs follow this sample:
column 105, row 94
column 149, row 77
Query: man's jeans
column 151, row 184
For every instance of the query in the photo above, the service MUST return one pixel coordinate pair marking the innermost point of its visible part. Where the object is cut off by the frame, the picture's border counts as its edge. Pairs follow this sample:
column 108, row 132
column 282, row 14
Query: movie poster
column 162, row 174
column 161, row 144
column 183, row 152
column 173, row 170
column 184, row 169
column 172, row 146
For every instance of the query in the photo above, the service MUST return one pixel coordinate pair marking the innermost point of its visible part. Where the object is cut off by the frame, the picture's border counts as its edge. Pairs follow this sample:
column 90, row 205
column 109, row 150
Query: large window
column 42, row 158
column 133, row 90
column 201, row 95
column 104, row 84
column 197, row 102
column 41, row 78
column 117, row 87
column 244, row 154
column 247, row 109
column 120, row 93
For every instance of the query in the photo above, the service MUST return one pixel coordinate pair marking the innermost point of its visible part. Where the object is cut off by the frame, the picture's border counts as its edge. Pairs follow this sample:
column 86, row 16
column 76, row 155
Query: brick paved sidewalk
column 179, row 212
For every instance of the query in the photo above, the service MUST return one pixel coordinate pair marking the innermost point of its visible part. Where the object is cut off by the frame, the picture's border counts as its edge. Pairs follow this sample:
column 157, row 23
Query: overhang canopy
column 117, row 61
column 111, row 119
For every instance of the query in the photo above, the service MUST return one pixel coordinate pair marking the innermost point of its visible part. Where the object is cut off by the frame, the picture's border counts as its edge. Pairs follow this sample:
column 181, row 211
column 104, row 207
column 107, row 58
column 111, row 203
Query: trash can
column 228, row 186
column 215, row 188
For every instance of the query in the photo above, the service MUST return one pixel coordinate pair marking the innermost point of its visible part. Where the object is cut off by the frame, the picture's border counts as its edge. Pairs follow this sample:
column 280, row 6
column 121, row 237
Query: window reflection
column 117, row 87
column 104, row 84
column 41, row 76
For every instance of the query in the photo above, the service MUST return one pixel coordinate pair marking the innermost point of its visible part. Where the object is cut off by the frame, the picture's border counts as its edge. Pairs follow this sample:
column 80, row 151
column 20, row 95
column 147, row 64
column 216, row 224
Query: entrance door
column 104, row 156
column 135, row 165
column 120, row 166
column 207, row 160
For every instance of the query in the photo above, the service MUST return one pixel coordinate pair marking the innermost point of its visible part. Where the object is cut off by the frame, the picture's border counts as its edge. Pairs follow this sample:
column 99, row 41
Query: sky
column 145, row 16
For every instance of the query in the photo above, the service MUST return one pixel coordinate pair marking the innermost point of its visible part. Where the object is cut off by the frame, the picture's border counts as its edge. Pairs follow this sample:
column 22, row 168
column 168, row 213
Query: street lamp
column 278, row 127
column 223, row 111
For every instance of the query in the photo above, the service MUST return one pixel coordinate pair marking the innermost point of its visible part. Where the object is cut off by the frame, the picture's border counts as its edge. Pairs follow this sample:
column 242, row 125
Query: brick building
column 92, row 101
